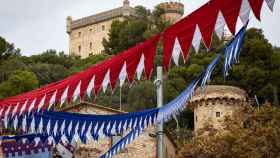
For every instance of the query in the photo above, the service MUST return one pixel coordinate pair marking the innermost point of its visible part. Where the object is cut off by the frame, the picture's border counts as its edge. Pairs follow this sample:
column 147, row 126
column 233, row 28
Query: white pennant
column 42, row 103
column 220, row 25
column 24, row 124
column 32, row 105
column 123, row 74
column 23, row 107
column 37, row 140
column 62, row 127
column 52, row 100
column 32, row 125
column 49, row 127
column 106, row 80
column 55, row 128
column 90, row 86
column 70, row 128
column 196, row 39
column 15, row 122
column 140, row 67
column 15, row 109
column 7, row 112
column 77, row 91
column 40, row 127
column 64, row 96
column 270, row 4
column 245, row 11
column 88, row 134
column 177, row 50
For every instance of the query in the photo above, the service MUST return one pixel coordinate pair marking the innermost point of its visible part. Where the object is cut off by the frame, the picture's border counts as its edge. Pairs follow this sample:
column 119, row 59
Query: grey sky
column 37, row 25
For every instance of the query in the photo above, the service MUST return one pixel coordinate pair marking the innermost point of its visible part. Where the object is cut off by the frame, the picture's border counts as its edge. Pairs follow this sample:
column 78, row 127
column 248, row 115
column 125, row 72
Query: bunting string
column 139, row 60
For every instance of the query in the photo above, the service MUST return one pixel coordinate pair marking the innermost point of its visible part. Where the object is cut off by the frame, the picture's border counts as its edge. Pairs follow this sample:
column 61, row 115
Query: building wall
column 87, row 40
column 143, row 147
column 213, row 112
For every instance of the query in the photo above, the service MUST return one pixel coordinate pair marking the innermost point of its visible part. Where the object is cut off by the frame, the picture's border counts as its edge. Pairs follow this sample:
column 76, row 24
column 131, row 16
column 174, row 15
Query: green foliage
column 18, row 82
column 255, row 133
column 7, row 49
column 128, row 33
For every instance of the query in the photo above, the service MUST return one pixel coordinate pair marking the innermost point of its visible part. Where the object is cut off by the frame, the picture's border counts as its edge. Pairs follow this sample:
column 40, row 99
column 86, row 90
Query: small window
column 218, row 114
column 196, row 118
column 90, row 45
column 103, row 27
column 80, row 34
column 80, row 49
column 90, row 30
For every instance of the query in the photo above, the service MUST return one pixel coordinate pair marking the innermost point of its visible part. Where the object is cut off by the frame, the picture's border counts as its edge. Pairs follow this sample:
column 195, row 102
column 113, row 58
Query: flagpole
column 159, row 87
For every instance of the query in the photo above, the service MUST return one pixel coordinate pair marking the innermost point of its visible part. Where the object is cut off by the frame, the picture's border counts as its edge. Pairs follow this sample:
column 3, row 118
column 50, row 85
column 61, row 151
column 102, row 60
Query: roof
column 103, row 16
column 82, row 104
column 219, row 91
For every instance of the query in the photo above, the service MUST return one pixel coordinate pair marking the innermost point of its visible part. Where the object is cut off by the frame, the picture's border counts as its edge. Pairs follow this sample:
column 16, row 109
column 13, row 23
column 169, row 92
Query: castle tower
column 173, row 11
column 126, row 3
column 214, row 104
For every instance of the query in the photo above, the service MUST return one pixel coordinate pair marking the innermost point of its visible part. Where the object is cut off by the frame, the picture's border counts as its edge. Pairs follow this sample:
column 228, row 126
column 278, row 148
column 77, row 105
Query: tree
column 254, row 133
column 18, row 82
column 7, row 49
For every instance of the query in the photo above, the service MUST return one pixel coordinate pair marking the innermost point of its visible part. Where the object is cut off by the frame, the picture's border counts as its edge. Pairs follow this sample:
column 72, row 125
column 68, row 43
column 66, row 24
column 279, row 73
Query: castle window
column 80, row 33
column 218, row 114
column 196, row 118
column 80, row 49
column 90, row 30
column 90, row 45
column 103, row 27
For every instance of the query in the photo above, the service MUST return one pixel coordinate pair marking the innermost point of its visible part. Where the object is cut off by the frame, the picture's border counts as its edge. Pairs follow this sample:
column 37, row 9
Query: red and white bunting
column 126, row 65
column 212, row 17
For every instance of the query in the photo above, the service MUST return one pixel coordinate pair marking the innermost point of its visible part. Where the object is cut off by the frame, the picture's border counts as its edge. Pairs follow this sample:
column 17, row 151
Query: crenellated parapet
column 172, row 7
column 212, row 105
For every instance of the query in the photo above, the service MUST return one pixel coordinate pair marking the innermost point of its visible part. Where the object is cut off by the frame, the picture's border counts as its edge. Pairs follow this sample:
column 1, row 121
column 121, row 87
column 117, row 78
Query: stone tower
column 214, row 104
column 173, row 11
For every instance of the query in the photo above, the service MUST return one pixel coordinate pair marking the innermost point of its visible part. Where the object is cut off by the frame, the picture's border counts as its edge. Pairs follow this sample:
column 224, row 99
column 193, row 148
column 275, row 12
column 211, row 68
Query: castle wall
column 213, row 112
column 87, row 40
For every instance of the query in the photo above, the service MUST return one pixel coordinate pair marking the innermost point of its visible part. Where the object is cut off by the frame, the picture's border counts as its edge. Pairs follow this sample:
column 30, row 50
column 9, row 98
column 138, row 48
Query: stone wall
column 87, row 40
column 215, row 104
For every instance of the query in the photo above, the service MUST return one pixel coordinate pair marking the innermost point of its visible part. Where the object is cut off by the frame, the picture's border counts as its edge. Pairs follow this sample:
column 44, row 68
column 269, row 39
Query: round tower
column 173, row 11
column 214, row 104
column 68, row 24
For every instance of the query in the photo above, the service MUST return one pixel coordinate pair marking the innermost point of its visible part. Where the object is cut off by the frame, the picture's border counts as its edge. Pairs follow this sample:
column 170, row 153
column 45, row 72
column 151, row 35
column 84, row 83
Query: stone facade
column 212, row 106
column 143, row 147
column 173, row 11
column 86, row 34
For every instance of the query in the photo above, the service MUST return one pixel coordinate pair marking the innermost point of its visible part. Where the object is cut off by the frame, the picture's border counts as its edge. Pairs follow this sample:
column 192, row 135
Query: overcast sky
column 38, row 25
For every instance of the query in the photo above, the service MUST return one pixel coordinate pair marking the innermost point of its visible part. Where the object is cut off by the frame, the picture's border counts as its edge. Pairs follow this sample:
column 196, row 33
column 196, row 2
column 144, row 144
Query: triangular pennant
column 270, row 4
column 106, row 81
column 140, row 67
column 177, row 50
column 15, row 110
column 64, row 96
column 52, row 100
column 220, row 25
column 196, row 39
column 90, row 86
column 123, row 74
column 245, row 11
column 42, row 103
column 24, row 106
column 256, row 6
column 77, row 91
column 32, row 106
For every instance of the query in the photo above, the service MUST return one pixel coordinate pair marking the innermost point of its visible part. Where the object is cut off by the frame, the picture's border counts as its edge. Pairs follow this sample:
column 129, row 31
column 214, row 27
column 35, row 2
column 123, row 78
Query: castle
column 213, row 105
column 86, row 34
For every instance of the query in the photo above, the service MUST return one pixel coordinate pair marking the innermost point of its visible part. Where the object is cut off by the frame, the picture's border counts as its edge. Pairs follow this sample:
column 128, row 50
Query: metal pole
column 120, row 98
column 159, row 86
